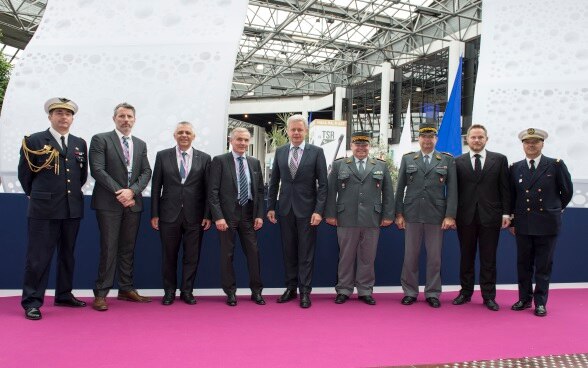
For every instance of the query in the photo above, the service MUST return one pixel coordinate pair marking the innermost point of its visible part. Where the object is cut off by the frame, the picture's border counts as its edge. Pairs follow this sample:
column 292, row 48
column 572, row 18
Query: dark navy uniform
column 52, row 177
column 538, row 200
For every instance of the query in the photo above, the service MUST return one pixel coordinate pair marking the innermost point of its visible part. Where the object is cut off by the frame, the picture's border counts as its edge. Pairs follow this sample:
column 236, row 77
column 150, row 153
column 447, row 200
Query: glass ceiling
column 297, row 47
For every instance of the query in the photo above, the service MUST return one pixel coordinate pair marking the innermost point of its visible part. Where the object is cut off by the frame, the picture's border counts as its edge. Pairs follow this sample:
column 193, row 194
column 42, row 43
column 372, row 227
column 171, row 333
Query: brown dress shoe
column 99, row 304
column 132, row 296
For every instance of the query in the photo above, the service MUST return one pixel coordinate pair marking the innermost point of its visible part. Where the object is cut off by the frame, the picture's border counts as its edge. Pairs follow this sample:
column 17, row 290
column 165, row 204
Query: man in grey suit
column 300, row 172
column 179, row 210
column 360, row 200
column 426, row 209
column 235, row 197
column 118, row 163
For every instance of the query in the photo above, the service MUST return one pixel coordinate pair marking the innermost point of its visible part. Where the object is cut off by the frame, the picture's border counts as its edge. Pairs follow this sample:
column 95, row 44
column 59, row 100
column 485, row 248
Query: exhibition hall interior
column 403, row 262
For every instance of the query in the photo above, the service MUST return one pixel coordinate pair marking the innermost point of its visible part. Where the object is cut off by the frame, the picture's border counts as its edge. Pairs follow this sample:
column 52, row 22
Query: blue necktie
column 242, row 183
column 183, row 166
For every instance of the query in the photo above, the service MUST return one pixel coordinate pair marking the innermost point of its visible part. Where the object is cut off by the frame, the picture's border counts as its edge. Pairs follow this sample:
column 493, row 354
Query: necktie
column 242, row 183
column 532, row 169
column 361, row 169
column 477, row 165
column 63, row 145
column 427, row 161
column 293, row 165
column 183, row 166
column 126, row 150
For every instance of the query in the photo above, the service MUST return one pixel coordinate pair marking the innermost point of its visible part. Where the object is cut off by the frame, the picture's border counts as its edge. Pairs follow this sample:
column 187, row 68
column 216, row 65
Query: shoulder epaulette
column 409, row 153
column 380, row 159
column 447, row 154
column 339, row 159
column 557, row 160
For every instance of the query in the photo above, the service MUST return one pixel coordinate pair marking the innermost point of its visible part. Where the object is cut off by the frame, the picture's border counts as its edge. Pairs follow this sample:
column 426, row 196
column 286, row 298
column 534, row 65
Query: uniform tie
column 242, row 183
column 127, row 154
column 477, row 164
column 532, row 169
column 427, row 162
column 293, row 165
column 183, row 166
column 63, row 145
column 361, row 168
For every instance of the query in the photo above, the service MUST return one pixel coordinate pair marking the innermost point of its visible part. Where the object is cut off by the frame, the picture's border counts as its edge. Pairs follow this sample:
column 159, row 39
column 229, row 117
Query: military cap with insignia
column 360, row 137
column 428, row 128
column 60, row 103
column 533, row 133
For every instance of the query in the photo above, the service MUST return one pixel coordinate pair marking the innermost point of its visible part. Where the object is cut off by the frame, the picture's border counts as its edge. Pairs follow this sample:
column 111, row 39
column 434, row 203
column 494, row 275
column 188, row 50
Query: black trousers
column 118, row 233
column 471, row 237
column 535, row 256
column 44, row 236
column 242, row 224
column 189, row 235
column 298, row 245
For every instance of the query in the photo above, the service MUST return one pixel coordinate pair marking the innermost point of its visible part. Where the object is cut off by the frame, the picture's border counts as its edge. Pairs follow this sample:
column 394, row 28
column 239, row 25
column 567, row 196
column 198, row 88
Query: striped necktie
column 183, row 166
column 293, row 164
column 243, row 195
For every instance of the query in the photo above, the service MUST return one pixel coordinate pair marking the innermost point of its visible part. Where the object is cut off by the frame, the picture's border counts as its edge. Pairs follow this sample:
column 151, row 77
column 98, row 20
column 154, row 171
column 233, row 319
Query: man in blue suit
column 300, row 171
column 541, row 190
column 52, row 169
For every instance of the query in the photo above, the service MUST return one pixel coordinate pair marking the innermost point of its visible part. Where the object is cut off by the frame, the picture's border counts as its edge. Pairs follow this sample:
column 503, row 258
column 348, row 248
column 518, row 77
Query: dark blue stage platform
column 569, row 266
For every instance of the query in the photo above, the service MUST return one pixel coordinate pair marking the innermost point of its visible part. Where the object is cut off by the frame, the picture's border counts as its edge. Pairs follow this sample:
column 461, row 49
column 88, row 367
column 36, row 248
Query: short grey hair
column 239, row 130
column 124, row 105
column 294, row 118
column 185, row 123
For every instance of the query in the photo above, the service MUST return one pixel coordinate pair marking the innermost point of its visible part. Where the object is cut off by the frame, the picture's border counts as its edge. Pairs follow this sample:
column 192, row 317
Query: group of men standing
column 474, row 193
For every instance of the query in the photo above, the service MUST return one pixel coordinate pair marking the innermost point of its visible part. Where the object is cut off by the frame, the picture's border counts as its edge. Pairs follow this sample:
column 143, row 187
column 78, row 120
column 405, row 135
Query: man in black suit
column 52, row 170
column 483, row 208
column 236, row 203
column 541, row 189
column 118, row 163
column 179, row 210
column 300, row 173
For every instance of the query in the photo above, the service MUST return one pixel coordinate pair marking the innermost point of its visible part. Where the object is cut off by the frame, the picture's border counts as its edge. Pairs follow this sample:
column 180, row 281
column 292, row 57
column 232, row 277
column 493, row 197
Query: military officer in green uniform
column 360, row 199
column 426, row 205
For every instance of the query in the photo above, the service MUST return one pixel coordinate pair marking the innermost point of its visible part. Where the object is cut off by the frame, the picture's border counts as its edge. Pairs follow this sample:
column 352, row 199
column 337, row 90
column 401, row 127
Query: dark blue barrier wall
column 571, row 253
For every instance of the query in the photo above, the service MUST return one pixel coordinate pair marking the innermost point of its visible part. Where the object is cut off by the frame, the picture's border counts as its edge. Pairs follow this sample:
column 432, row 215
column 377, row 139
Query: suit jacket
column 223, row 192
column 108, row 168
column 306, row 193
column 489, row 192
column 169, row 195
column 538, row 199
column 360, row 200
column 54, row 195
column 431, row 193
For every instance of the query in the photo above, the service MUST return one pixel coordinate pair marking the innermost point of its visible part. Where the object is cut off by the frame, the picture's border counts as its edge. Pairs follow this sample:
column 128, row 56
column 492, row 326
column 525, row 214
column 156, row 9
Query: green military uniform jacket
column 427, row 194
column 360, row 200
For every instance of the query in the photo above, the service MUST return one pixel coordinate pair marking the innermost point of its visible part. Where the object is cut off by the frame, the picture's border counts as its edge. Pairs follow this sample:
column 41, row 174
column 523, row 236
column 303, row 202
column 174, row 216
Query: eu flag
column 450, row 131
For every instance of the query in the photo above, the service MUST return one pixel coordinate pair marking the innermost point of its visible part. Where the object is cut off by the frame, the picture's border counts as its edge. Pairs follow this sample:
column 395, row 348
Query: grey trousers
column 433, row 236
column 357, row 253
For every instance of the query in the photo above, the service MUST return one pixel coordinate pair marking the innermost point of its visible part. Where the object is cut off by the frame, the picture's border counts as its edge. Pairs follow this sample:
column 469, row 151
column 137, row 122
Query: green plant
column 382, row 153
column 277, row 136
column 5, row 68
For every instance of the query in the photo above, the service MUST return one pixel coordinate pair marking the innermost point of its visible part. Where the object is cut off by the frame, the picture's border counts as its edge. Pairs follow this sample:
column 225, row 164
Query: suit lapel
column 173, row 162
column 353, row 167
column 435, row 160
column 538, row 171
column 285, row 162
column 488, row 163
column 117, row 147
column 233, row 170
column 250, row 164
column 418, row 160
column 369, row 165
column 193, row 165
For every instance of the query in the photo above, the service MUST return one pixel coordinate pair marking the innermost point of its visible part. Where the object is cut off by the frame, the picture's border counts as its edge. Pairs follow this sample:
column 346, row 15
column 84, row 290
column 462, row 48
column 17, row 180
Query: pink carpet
column 211, row 334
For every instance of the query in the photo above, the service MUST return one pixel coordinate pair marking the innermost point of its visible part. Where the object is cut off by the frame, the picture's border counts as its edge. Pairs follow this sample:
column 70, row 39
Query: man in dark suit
column 426, row 205
column 52, row 170
column 360, row 200
column 236, row 203
column 118, row 163
column 483, row 208
column 300, row 172
column 179, row 210
column 541, row 189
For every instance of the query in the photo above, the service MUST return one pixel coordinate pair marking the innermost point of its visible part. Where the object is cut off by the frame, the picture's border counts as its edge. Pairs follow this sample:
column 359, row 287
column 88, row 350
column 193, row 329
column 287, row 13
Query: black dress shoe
column 408, row 300
column 540, row 311
column 461, row 299
column 288, row 295
column 231, row 300
column 257, row 298
column 168, row 297
column 72, row 303
column 341, row 298
column 33, row 314
column 491, row 304
column 305, row 300
column 367, row 299
column 434, row 302
column 520, row 305
column 188, row 298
